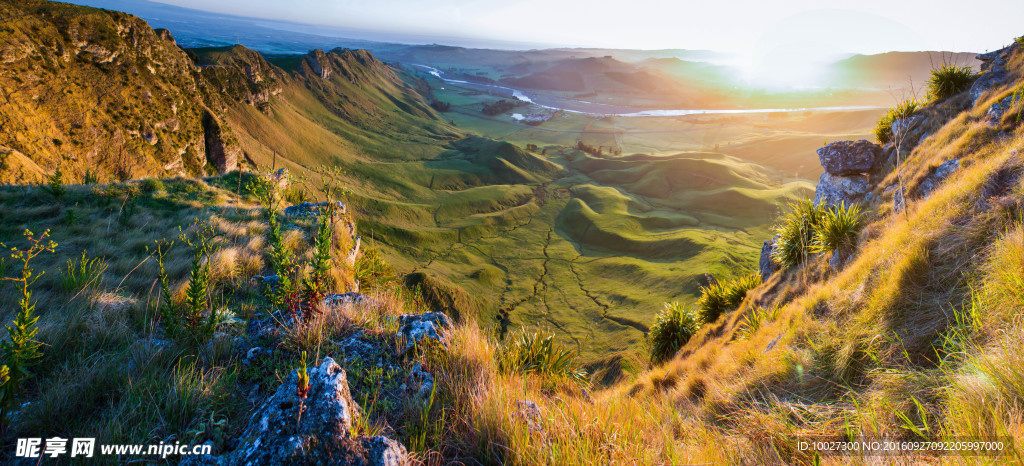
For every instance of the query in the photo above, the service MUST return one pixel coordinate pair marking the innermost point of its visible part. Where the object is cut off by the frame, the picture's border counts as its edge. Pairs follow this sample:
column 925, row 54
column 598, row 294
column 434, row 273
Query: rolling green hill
column 588, row 246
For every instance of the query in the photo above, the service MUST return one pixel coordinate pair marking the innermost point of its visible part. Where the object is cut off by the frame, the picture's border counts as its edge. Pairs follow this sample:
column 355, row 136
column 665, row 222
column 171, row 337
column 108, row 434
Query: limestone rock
column 996, row 111
column 994, row 73
column 903, row 126
column 931, row 182
column 833, row 190
column 416, row 327
column 767, row 266
column 218, row 154
column 335, row 299
column 849, row 157
column 288, row 429
column 319, row 64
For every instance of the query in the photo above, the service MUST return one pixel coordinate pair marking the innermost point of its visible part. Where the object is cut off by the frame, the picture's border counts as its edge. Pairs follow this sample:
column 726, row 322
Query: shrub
column 949, row 80
column 22, row 350
column 796, row 233
column 838, row 229
column 672, row 328
column 55, row 184
column 90, row 177
column 718, row 298
column 372, row 270
column 883, row 129
column 537, row 353
column 198, row 320
column 152, row 185
column 85, row 273
column 323, row 258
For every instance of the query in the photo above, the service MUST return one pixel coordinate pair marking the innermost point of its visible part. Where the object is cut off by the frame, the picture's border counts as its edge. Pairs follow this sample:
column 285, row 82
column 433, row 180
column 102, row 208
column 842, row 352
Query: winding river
column 593, row 108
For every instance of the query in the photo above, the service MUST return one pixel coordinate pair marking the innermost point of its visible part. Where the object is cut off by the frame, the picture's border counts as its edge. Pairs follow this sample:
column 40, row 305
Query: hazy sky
column 807, row 26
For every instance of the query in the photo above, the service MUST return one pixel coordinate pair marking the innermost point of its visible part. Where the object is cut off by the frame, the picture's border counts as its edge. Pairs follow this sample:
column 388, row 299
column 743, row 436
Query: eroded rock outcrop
column 844, row 158
column 317, row 429
column 846, row 163
column 767, row 266
column 415, row 327
column 218, row 154
column 834, row 190
column 993, row 72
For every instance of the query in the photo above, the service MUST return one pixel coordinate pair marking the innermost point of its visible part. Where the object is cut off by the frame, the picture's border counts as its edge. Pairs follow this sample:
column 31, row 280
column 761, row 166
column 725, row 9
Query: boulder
column 993, row 72
column 767, row 265
column 996, row 111
column 903, row 126
column 317, row 429
column 932, row 181
column 849, row 157
column 833, row 190
column 336, row 299
column 419, row 384
column 416, row 327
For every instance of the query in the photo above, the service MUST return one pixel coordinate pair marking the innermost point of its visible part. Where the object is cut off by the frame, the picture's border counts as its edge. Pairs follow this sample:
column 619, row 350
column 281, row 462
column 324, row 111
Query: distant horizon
column 800, row 30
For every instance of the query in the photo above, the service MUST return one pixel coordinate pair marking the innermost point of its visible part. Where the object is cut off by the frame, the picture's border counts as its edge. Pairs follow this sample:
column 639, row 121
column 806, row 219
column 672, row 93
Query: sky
column 751, row 27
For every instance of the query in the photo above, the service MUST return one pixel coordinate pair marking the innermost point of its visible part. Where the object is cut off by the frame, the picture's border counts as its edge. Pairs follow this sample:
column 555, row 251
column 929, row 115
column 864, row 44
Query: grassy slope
column 916, row 339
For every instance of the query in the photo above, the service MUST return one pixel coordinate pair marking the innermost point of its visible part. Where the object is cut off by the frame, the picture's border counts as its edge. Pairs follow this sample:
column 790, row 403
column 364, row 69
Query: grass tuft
column 838, row 229
column 718, row 298
column 85, row 273
column 949, row 80
column 672, row 328
column 796, row 233
column 534, row 352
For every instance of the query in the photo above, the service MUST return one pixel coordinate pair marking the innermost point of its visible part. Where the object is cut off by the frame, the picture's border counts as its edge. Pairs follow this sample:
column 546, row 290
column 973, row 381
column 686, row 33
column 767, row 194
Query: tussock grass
column 535, row 352
column 76, row 276
column 949, row 79
column 795, row 232
column 838, row 229
column 672, row 328
column 718, row 298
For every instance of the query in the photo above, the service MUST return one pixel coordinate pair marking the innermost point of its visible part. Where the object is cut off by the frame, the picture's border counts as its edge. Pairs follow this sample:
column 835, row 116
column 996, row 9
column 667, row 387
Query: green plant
column 165, row 304
column 55, row 184
column 83, row 274
column 152, row 185
column 904, row 109
column 302, row 379
column 948, row 80
column 718, row 297
column 838, row 229
column 536, row 353
column 672, row 328
column 795, row 233
column 90, row 177
column 316, row 283
column 198, row 317
column 22, row 350
column 372, row 270
column 70, row 217
column 284, row 294
column 756, row 318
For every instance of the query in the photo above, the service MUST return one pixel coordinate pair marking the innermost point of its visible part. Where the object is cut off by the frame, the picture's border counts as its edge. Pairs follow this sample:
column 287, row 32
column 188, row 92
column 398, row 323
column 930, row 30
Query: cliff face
column 99, row 90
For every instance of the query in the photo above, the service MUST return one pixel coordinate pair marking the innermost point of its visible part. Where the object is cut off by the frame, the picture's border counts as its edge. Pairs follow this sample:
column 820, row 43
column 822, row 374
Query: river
column 594, row 108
